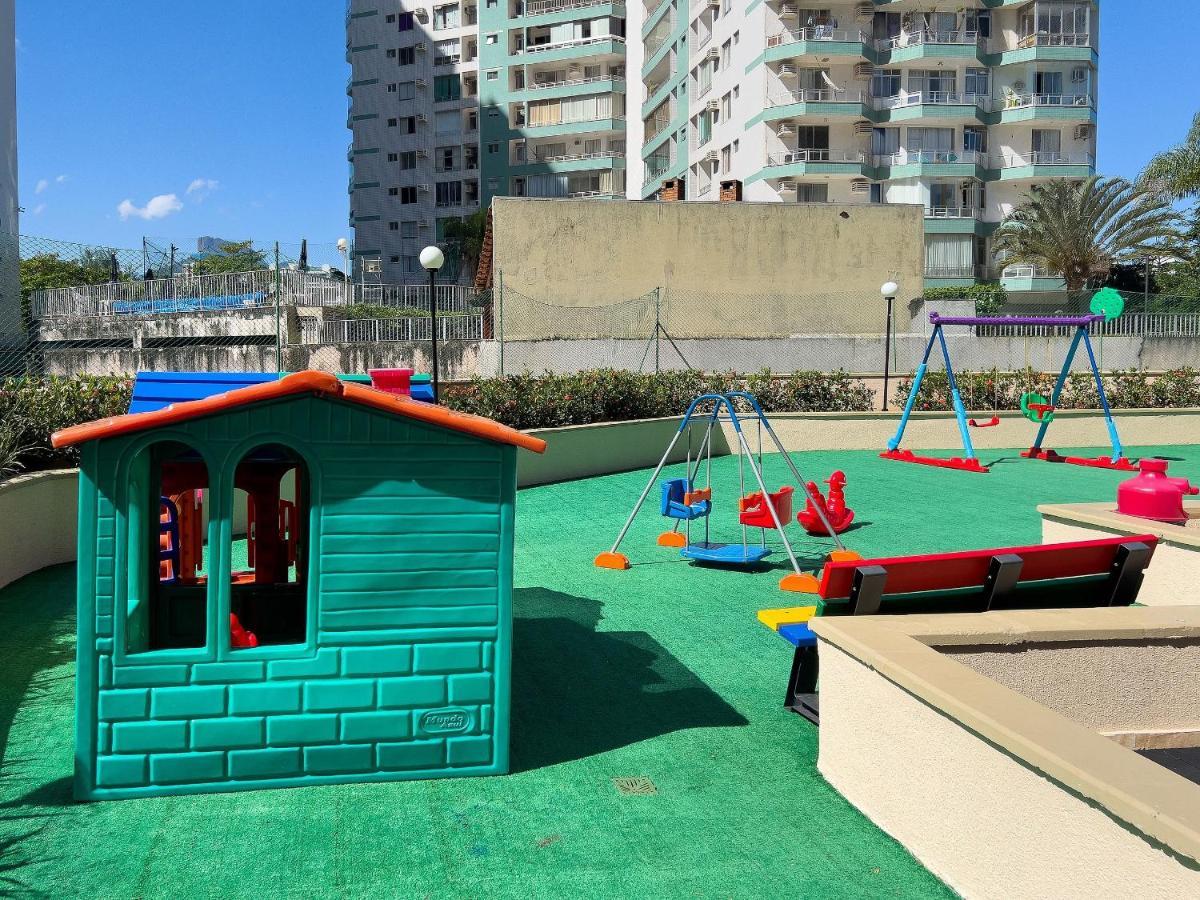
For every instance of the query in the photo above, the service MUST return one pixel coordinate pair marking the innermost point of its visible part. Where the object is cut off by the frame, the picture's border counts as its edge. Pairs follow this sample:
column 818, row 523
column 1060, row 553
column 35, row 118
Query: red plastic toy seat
column 756, row 513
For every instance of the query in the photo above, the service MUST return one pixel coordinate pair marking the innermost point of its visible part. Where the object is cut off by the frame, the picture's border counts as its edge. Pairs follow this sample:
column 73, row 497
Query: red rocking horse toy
column 840, row 516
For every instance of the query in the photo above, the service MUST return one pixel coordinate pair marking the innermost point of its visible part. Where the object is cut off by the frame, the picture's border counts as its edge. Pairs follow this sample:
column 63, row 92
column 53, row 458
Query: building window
column 407, row 56
column 408, row 124
column 445, row 17
column 393, row 226
column 978, row 82
column 447, row 88
column 812, row 193
column 392, row 157
column 446, row 159
column 391, row 123
column 492, row 75
column 391, row 54
column 168, row 590
column 449, row 193
column 493, row 147
column 408, row 160
column 391, row 88
column 269, row 598
column 407, row 90
column 408, row 229
column 405, row 22
column 393, row 192
column 390, row 18
column 408, row 194
column 447, row 53
column 394, row 259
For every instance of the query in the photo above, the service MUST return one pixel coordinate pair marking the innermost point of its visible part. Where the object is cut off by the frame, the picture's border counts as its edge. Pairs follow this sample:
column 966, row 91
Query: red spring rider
column 1152, row 494
column 839, row 515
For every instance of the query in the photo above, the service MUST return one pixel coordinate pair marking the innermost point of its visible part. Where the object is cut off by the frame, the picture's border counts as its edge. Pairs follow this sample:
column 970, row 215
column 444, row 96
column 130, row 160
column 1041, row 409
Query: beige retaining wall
column 1173, row 577
column 997, row 794
column 37, row 522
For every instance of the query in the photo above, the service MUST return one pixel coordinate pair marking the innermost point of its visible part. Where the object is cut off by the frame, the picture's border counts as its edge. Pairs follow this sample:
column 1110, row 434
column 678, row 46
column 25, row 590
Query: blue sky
column 238, row 109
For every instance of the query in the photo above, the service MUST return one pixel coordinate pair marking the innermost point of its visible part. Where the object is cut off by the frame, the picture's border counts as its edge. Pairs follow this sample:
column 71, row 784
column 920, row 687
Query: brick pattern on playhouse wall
column 411, row 608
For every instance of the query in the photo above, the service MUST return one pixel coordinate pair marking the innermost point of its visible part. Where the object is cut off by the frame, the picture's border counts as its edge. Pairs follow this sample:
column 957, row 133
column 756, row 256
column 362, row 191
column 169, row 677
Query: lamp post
column 343, row 246
column 888, row 290
column 432, row 259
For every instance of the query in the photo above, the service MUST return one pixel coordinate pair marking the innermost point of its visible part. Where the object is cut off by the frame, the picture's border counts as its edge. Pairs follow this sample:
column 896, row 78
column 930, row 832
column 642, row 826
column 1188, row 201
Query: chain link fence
column 69, row 309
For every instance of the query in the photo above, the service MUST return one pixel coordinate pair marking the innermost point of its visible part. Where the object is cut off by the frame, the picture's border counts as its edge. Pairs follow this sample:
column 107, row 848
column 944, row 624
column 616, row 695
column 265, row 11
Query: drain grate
column 637, row 786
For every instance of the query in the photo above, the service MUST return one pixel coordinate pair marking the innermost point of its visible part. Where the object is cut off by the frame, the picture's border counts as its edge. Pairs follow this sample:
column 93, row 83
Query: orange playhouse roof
column 320, row 383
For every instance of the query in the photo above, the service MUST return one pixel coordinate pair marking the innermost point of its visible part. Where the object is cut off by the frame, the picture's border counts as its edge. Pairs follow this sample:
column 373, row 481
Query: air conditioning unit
column 1018, row 86
column 422, row 118
column 863, row 71
column 373, row 266
column 420, row 82
column 1082, row 132
column 865, row 11
column 712, row 155
column 787, row 70
column 714, row 4
column 787, row 186
column 714, row 53
column 422, row 154
column 788, row 11
column 423, row 188
column 860, row 186
column 1079, row 74
column 420, row 46
column 424, row 223
column 785, row 129
column 863, row 127
column 421, row 15
column 713, row 105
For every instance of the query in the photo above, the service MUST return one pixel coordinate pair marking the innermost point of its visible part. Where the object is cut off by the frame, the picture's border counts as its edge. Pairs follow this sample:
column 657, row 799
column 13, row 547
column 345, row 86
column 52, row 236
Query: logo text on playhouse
column 445, row 721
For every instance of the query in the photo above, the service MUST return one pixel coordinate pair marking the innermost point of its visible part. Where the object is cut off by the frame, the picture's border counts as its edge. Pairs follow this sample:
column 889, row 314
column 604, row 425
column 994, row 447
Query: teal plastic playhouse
column 296, row 582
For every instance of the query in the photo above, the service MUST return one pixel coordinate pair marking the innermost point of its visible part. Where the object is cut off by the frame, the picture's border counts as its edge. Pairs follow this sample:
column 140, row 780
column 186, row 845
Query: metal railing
column 575, row 42
column 541, row 7
column 1153, row 325
column 933, row 98
column 1044, row 158
column 928, row 36
column 816, row 156
column 970, row 271
column 1047, row 39
column 567, row 82
column 374, row 331
column 929, row 157
column 568, row 157
column 1027, row 271
column 815, row 96
column 816, row 33
column 1022, row 101
column 952, row 212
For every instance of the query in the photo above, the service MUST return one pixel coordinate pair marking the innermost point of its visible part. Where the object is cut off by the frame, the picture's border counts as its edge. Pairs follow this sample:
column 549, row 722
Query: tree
column 235, row 256
column 467, row 235
column 1181, row 276
column 1081, row 229
column 46, row 271
column 1177, row 171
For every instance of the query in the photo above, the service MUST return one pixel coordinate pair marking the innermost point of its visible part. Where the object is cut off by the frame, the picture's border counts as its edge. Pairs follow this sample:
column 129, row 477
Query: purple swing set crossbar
column 1075, row 321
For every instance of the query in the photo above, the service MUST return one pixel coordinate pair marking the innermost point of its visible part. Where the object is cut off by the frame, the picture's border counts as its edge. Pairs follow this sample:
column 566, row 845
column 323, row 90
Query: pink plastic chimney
column 394, row 381
column 1152, row 494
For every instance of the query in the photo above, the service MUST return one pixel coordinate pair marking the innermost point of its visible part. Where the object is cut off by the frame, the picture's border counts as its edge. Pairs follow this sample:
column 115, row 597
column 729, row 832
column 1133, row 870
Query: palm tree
column 467, row 236
column 1083, row 228
column 1177, row 171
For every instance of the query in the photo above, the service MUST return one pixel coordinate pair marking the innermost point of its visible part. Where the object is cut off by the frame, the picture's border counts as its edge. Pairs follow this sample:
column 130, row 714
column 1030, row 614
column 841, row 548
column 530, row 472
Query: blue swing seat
column 673, row 507
column 725, row 554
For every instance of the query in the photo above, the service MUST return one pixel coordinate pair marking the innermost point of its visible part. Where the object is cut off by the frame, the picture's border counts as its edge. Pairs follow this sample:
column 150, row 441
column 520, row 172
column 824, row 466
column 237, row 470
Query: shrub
column 42, row 406
column 989, row 297
column 373, row 311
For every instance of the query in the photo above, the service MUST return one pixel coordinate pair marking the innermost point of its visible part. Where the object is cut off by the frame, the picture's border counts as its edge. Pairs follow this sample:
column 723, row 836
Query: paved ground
column 659, row 673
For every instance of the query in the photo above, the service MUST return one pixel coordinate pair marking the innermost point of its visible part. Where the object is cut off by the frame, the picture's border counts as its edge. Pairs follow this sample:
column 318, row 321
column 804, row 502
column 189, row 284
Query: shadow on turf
column 577, row 691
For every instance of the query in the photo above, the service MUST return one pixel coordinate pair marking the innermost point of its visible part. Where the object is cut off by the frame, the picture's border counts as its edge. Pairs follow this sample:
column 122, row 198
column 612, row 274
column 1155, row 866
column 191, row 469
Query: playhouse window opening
column 168, row 514
column 269, row 558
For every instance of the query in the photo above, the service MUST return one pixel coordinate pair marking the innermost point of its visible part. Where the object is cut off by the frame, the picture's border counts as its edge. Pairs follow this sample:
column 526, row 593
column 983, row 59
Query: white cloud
column 202, row 186
column 158, row 208
column 61, row 179
column 41, row 186
column 39, row 209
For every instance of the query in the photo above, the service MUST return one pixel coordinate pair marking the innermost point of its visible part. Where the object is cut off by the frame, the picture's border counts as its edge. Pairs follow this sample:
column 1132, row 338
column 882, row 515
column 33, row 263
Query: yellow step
column 790, row 615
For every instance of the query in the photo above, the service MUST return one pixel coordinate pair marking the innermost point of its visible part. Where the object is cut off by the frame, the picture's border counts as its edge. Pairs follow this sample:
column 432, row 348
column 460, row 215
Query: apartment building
column 414, row 115
column 956, row 105
column 10, row 287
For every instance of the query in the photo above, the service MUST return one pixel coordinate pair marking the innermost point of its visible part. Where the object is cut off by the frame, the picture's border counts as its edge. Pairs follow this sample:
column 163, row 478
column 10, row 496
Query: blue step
column 725, row 554
column 798, row 635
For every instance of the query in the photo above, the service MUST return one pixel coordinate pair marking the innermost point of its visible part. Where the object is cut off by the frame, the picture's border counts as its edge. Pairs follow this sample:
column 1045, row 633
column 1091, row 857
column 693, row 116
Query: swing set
column 685, row 503
column 1106, row 305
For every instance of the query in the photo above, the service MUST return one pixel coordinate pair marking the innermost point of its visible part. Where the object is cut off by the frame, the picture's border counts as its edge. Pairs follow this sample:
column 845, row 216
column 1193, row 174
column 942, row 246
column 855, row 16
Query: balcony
column 1048, row 39
column 820, row 40
column 1024, row 107
column 919, row 45
column 955, row 273
column 952, row 212
column 913, row 100
column 538, row 86
column 1030, row 278
column 1044, row 164
column 1047, row 47
column 543, row 7
column 801, row 162
column 575, row 44
column 911, row 163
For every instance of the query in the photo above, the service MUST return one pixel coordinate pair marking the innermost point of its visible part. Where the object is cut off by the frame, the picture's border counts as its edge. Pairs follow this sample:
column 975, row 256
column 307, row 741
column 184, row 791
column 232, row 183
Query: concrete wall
column 733, row 268
column 37, row 522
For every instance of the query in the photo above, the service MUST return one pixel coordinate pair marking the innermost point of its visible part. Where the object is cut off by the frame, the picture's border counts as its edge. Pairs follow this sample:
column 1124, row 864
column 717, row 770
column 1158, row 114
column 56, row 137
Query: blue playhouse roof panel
column 157, row 390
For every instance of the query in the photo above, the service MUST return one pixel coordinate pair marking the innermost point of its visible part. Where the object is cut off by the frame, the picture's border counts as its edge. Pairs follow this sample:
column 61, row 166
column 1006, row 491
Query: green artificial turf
column 660, row 672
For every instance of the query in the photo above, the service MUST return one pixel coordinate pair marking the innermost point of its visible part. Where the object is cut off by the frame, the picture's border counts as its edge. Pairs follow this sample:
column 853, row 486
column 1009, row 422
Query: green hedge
column 1002, row 390
column 31, row 409
column 611, row 395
